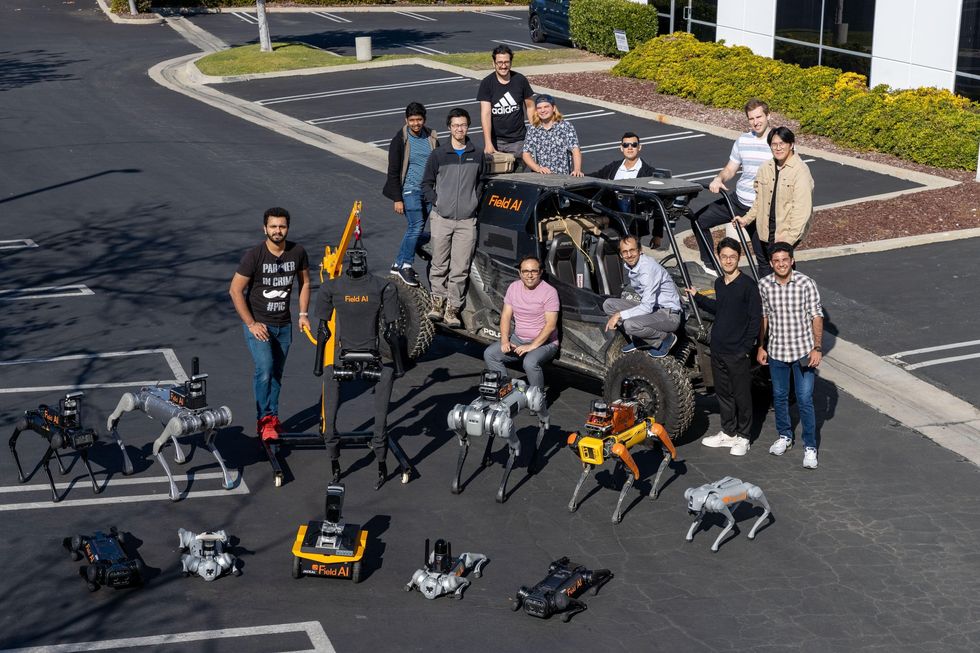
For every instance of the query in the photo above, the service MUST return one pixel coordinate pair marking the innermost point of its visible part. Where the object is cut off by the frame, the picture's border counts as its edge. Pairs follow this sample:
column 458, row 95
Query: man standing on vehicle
column 265, row 277
column 451, row 184
column 792, row 317
column 749, row 152
column 407, row 155
column 533, row 305
column 738, row 312
column 651, row 322
column 506, row 100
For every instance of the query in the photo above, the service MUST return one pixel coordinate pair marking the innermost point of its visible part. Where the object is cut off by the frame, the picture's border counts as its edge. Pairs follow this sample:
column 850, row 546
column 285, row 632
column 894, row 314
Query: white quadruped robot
column 183, row 410
column 492, row 415
column 443, row 574
column 721, row 497
column 206, row 554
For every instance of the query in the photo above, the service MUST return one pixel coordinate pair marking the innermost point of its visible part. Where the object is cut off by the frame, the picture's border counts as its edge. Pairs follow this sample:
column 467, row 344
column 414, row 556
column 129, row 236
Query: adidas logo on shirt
column 505, row 105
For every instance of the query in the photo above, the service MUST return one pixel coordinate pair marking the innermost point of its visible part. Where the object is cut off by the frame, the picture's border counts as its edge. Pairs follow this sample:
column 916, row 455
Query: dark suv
column 547, row 20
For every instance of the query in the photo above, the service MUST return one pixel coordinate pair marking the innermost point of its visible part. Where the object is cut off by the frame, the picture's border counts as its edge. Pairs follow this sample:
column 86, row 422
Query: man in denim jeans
column 793, row 319
column 407, row 154
column 260, row 290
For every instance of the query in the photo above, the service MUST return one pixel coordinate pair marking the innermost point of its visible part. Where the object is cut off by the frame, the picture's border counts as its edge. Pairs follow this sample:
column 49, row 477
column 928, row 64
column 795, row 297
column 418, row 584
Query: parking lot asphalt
column 147, row 199
column 916, row 303
column 405, row 31
column 369, row 105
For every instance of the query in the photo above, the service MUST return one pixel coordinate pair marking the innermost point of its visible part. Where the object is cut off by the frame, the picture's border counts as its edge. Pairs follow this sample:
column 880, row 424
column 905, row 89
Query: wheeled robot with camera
column 330, row 548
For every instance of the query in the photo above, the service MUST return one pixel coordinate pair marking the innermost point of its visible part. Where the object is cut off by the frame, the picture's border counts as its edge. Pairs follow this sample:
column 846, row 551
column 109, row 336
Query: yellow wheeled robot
column 611, row 430
column 330, row 548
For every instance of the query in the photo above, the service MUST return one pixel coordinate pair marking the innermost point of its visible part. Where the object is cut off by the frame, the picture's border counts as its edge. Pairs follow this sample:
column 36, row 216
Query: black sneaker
column 407, row 275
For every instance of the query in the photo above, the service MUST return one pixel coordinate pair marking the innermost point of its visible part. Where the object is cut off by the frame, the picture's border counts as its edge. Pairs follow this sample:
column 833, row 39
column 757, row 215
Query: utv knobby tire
column 661, row 385
column 415, row 328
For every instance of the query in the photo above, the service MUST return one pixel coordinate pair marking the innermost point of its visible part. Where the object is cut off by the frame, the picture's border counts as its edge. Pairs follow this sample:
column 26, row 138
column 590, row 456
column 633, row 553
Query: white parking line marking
column 19, row 243
column 421, row 49
column 896, row 357
column 248, row 18
column 241, row 488
column 46, row 292
column 519, row 44
column 125, row 480
column 333, row 17
column 361, row 89
column 415, row 16
column 495, row 15
column 168, row 355
column 650, row 140
column 713, row 172
column 318, row 638
column 385, row 112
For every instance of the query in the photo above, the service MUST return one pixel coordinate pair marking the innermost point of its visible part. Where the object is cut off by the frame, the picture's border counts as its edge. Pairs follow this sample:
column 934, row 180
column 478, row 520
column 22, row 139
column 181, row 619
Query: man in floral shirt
column 551, row 146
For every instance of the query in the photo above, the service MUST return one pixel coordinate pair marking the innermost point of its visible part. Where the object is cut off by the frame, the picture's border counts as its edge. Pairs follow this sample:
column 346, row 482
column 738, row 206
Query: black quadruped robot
column 108, row 561
column 183, row 410
column 492, row 415
column 558, row 592
column 62, row 428
column 359, row 303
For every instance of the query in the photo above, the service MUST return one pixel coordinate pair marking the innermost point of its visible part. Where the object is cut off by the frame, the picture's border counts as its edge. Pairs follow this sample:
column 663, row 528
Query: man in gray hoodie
column 451, row 184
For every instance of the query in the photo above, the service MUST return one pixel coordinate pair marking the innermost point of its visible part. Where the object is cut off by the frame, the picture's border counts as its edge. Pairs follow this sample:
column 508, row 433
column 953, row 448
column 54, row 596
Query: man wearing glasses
column 533, row 305
column 649, row 323
column 506, row 100
column 631, row 167
column 265, row 276
column 451, row 186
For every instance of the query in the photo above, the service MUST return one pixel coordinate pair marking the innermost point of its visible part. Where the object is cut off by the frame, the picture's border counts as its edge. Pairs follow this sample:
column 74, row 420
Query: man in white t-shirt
column 749, row 152
column 533, row 305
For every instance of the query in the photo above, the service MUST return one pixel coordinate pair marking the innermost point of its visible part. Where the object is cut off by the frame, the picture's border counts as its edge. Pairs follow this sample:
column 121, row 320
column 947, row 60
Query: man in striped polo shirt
column 792, row 317
column 749, row 151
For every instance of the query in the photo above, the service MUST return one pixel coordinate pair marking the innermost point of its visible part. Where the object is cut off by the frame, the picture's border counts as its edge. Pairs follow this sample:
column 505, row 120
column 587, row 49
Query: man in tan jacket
column 783, row 203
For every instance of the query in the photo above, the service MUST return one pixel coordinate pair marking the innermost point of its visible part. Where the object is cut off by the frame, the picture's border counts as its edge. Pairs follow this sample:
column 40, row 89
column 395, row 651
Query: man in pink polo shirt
column 533, row 305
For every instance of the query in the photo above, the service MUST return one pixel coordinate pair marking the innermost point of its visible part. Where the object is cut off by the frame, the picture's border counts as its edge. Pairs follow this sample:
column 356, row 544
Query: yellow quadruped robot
column 332, row 267
column 611, row 431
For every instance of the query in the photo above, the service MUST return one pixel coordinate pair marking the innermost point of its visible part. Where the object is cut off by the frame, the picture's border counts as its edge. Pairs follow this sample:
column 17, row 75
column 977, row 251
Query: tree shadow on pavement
column 19, row 69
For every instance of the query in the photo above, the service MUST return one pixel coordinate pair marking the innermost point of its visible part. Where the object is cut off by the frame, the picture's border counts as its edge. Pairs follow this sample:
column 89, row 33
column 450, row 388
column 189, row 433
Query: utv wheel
column 416, row 330
column 660, row 385
column 534, row 26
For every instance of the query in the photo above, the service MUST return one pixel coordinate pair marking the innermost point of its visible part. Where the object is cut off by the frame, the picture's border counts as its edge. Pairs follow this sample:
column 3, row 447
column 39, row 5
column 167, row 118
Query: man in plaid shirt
column 793, row 319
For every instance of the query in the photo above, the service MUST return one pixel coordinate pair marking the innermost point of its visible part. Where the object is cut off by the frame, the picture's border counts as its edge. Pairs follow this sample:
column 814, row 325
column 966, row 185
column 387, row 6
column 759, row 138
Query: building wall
column 748, row 22
column 915, row 43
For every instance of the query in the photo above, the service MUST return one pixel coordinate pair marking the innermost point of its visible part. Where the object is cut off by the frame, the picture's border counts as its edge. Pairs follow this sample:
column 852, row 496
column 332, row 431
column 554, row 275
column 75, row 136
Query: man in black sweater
column 738, row 313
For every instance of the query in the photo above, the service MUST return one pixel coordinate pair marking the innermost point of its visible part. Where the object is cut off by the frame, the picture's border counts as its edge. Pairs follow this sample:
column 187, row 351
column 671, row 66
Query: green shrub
column 924, row 125
column 122, row 6
column 591, row 23
column 211, row 4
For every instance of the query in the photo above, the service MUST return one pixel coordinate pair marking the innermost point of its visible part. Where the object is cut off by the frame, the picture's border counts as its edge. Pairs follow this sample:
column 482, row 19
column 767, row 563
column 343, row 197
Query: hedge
column 926, row 125
column 591, row 23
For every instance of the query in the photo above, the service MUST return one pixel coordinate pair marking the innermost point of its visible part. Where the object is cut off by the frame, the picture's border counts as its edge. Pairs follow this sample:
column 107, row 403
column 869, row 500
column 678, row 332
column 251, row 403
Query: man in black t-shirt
column 506, row 100
column 260, row 290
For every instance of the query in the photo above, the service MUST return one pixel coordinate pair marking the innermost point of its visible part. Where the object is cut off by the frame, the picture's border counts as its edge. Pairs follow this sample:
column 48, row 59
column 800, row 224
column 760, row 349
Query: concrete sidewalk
column 947, row 420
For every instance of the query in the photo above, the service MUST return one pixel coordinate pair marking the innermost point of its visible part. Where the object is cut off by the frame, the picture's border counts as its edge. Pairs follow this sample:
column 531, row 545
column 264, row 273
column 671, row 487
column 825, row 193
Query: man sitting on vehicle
column 533, row 305
column 651, row 322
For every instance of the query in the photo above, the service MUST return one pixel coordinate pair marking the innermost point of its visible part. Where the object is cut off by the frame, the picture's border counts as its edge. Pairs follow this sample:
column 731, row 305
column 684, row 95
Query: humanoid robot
column 721, row 497
column 611, row 431
column 492, row 415
column 62, row 428
column 443, row 574
column 360, row 300
column 207, row 554
column 183, row 410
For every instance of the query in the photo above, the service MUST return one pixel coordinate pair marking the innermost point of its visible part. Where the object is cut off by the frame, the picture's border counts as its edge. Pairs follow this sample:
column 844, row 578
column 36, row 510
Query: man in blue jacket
column 452, row 184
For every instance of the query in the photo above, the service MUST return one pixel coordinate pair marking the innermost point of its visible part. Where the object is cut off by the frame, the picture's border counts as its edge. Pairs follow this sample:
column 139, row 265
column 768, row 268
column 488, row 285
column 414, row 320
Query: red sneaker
column 260, row 425
column 267, row 429
column 275, row 424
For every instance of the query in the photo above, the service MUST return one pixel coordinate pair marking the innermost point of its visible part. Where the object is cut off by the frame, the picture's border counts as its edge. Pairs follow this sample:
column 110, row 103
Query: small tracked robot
column 108, row 562
column 721, row 497
column 207, row 554
column 492, row 415
column 611, row 431
column 183, row 410
column 62, row 428
column 557, row 593
column 443, row 574
column 330, row 548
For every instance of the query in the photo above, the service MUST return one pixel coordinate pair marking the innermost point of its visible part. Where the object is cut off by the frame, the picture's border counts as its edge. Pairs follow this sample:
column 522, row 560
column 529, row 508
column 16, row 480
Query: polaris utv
column 574, row 225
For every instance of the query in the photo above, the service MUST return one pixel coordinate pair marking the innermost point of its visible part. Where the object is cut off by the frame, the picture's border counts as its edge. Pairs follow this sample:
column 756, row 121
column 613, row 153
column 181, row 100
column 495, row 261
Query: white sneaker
column 810, row 458
column 719, row 439
column 741, row 447
column 780, row 446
